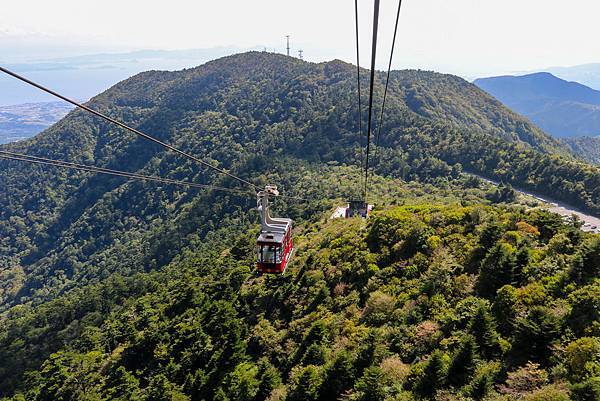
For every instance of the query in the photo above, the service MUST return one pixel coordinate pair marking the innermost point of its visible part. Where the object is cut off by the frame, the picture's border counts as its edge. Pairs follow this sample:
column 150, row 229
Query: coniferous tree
column 463, row 363
column 483, row 329
column 535, row 335
column 339, row 377
column 269, row 378
column 481, row 386
column 522, row 258
column 371, row 352
column 586, row 263
column 372, row 385
column 433, row 377
column 497, row 269
column 307, row 385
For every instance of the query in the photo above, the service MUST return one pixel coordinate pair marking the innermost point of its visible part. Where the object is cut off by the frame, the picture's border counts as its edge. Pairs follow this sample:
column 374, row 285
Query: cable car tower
column 274, row 245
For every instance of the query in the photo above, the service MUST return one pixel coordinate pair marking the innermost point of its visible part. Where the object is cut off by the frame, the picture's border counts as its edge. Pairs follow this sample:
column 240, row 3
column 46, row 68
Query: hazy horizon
column 468, row 38
column 465, row 37
column 87, row 74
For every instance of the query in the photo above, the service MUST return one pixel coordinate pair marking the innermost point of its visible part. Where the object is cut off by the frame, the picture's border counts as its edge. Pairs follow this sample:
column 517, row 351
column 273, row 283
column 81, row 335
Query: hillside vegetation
column 586, row 147
column 420, row 302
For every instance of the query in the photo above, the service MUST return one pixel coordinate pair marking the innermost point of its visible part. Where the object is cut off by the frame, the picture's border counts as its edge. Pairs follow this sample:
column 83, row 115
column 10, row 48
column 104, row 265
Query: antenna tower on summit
column 300, row 54
column 288, row 44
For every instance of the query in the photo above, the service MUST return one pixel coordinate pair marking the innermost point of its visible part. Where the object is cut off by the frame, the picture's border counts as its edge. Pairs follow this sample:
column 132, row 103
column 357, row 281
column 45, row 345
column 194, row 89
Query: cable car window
column 269, row 254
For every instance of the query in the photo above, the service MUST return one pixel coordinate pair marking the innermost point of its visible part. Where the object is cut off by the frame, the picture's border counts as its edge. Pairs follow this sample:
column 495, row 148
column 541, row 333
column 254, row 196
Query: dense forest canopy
column 129, row 290
column 420, row 302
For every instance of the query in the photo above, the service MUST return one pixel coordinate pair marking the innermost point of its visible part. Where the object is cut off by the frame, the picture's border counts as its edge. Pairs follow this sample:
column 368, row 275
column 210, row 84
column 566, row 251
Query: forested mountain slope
column 586, row 147
column 428, row 302
column 244, row 113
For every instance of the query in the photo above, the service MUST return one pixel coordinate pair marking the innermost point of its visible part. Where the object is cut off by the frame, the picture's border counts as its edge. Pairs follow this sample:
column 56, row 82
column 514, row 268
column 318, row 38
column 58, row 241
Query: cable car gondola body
column 274, row 246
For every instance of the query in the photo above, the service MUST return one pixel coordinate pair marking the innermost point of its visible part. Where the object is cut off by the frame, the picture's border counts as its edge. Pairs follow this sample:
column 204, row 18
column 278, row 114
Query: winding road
column 590, row 223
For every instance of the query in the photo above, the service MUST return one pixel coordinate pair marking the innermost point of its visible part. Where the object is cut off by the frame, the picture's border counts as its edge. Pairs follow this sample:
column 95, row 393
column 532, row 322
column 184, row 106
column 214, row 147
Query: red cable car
column 274, row 245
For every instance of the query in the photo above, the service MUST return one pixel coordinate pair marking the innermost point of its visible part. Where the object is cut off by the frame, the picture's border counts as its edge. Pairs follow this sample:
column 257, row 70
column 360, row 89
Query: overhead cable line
column 134, row 176
column 124, row 174
column 373, row 56
column 125, row 126
column 360, row 130
column 387, row 80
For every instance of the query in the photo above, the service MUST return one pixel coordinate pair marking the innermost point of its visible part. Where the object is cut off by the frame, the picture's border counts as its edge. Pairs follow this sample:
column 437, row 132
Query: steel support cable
column 102, row 170
column 387, row 80
column 360, row 130
column 126, row 127
column 124, row 174
column 373, row 56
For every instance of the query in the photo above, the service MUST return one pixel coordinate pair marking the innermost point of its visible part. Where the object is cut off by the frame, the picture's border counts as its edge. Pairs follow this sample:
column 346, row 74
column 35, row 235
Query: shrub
column 525, row 379
column 548, row 393
column 582, row 358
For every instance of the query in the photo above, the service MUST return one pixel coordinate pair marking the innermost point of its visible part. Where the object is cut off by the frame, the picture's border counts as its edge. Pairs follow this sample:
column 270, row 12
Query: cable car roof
column 270, row 237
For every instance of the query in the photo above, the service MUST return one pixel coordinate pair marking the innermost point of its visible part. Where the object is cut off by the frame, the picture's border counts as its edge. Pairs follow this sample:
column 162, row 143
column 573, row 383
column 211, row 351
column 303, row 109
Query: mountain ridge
column 586, row 74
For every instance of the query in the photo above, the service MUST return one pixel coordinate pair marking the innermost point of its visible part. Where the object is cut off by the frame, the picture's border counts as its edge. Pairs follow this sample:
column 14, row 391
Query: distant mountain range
column 26, row 120
column 559, row 107
column 587, row 74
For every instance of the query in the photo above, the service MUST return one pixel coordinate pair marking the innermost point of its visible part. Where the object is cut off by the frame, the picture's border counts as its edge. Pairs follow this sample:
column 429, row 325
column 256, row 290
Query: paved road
column 590, row 223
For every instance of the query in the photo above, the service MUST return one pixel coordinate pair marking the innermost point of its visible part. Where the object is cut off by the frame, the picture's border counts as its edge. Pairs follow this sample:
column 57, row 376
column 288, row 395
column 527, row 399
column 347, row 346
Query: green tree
column 588, row 390
column 69, row 376
column 505, row 308
column 339, row 376
column 371, row 352
column 242, row 384
column 483, row 329
column 497, row 269
column 535, row 335
column 161, row 389
column 586, row 263
column 123, row 386
column 584, row 317
column 463, row 363
column 269, row 378
column 306, row 384
column 434, row 376
column 314, row 355
column 582, row 358
column 372, row 386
